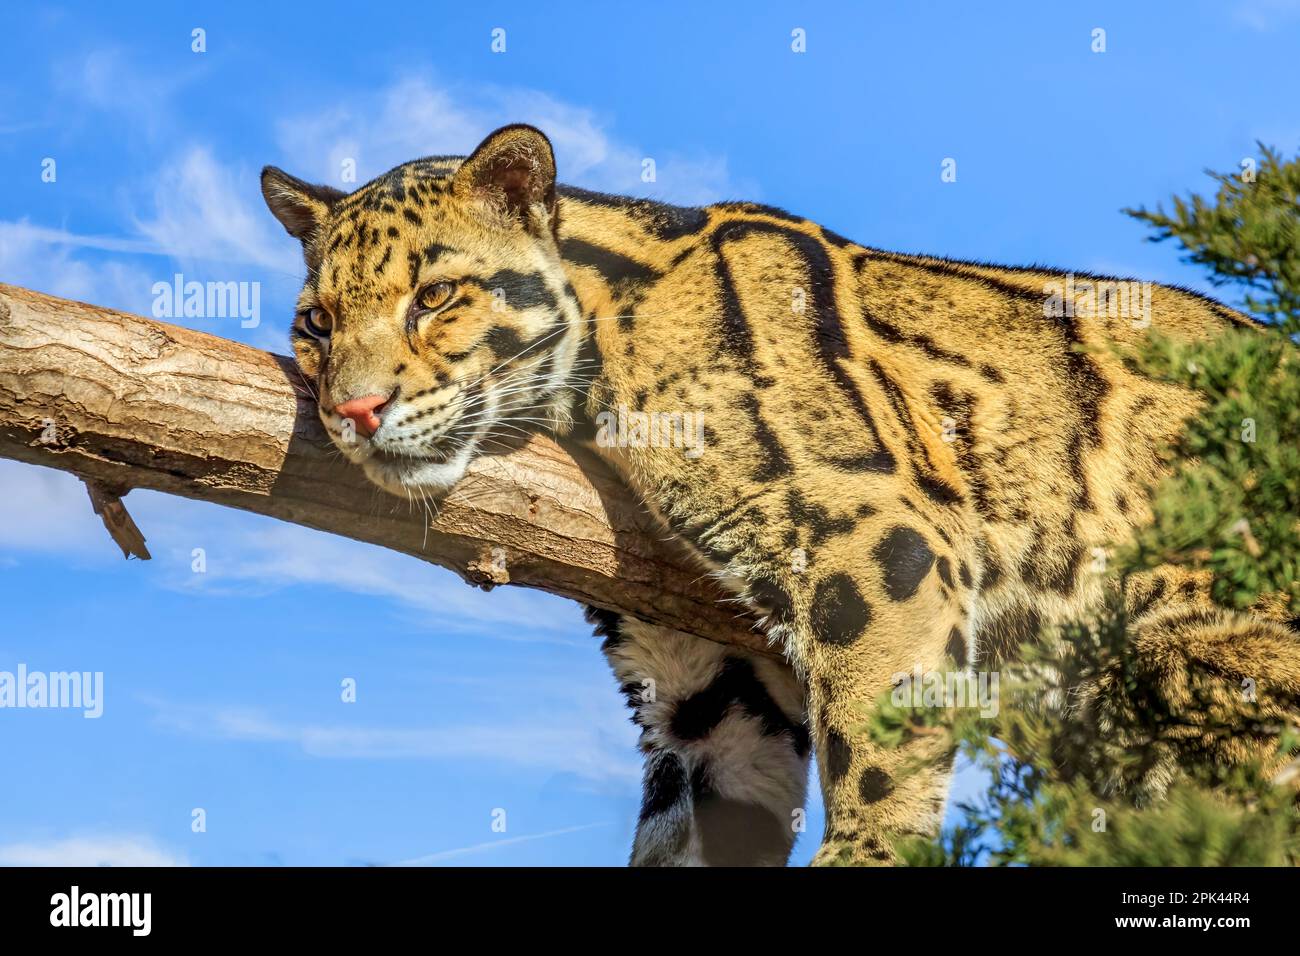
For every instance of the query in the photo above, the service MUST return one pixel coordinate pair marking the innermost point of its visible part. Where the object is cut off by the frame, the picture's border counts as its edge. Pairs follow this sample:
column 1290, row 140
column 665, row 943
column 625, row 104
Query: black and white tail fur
column 726, row 746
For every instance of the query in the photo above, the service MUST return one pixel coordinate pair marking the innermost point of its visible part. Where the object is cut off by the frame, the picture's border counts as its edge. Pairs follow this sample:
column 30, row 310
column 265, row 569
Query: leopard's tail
column 726, row 747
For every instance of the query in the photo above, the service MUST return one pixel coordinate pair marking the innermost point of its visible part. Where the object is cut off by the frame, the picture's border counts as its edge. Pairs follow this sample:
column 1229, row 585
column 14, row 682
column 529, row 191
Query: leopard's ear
column 301, row 207
column 513, row 172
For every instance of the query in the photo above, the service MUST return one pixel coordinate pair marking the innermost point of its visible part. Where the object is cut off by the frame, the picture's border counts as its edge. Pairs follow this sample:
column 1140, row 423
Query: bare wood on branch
column 127, row 402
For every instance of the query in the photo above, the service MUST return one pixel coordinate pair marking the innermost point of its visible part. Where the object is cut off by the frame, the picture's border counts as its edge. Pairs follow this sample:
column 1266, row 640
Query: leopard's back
column 845, row 386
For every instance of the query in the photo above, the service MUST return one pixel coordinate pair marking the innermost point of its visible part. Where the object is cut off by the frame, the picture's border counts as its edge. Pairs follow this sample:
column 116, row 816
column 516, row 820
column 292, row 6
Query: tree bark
column 127, row 402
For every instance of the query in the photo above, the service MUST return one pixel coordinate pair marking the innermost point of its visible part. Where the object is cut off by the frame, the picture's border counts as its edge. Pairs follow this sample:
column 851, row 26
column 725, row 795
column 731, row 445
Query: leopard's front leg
column 887, row 601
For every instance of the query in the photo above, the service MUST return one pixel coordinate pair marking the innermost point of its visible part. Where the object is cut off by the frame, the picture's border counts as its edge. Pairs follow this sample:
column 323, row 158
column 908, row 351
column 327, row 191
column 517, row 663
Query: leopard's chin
column 405, row 475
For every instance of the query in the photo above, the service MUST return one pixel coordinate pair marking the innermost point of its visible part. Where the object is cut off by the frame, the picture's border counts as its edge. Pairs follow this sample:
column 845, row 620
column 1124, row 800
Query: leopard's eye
column 434, row 297
column 318, row 322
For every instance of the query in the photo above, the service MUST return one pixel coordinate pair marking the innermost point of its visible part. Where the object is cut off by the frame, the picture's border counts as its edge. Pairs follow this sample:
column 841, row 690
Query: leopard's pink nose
column 364, row 412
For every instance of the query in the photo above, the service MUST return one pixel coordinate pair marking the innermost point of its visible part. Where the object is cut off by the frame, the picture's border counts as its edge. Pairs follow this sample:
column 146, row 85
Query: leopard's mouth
column 405, row 457
column 430, row 468
column 436, row 452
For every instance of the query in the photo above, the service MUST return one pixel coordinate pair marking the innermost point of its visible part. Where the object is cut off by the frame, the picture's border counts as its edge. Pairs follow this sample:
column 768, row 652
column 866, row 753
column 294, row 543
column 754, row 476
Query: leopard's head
column 436, row 321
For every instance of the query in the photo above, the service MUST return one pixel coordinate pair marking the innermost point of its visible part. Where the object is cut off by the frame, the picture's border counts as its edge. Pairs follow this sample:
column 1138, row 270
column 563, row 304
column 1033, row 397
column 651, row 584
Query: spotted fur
column 906, row 460
column 726, row 747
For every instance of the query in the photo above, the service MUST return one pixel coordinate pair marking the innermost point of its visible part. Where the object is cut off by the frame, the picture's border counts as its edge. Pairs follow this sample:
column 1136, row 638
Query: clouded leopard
column 904, row 460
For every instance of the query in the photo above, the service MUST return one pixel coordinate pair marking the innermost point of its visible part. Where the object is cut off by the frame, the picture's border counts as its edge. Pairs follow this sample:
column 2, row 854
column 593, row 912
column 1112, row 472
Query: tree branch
column 126, row 402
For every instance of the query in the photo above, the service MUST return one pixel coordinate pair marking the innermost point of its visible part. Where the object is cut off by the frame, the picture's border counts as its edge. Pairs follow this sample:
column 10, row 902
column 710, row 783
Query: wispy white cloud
column 415, row 117
column 110, row 80
column 204, row 210
column 443, row 856
column 90, row 851
column 46, row 259
column 43, row 510
column 577, row 743
column 190, row 208
column 9, row 129
column 24, row 231
column 1266, row 15
column 249, row 556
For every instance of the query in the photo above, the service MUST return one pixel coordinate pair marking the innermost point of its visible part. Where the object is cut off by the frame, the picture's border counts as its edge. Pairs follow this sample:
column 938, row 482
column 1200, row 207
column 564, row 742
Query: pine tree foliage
column 1100, row 753
column 1246, row 236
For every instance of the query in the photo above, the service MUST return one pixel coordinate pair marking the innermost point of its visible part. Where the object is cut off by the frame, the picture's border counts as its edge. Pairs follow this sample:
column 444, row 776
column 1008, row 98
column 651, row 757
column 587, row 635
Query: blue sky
column 223, row 688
